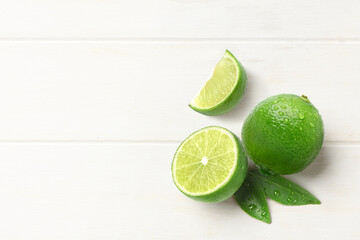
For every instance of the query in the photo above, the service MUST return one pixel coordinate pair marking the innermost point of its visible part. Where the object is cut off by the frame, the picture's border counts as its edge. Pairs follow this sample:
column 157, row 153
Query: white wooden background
column 94, row 98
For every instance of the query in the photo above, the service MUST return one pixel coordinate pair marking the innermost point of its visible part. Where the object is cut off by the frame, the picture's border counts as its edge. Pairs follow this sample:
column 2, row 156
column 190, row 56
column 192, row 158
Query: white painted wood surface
column 140, row 91
column 94, row 101
column 304, row 19
column 125, row 191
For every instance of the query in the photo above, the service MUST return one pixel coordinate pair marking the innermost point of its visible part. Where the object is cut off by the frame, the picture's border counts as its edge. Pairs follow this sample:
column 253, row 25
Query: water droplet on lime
column 301, row 116
column 277, row 193
column 281, row 113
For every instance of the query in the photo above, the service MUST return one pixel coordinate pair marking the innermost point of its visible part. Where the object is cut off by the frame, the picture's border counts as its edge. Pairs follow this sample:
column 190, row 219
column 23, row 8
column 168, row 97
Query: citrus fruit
column 283, row 134
column 209, row 165
column 223, row 90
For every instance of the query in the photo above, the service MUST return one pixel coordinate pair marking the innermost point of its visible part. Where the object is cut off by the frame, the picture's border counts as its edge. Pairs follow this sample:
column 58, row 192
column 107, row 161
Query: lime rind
column 233, row 96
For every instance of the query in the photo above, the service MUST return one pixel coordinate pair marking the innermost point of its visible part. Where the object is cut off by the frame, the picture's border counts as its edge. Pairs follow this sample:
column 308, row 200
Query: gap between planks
column 189, row 40
column 140, row 142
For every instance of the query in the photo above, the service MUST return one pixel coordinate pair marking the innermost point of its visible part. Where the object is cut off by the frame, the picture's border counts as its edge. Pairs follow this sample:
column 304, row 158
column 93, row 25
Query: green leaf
column 284, row 191
column 252, row 200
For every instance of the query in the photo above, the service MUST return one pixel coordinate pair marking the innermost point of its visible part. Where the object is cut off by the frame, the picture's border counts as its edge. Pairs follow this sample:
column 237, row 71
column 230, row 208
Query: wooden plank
column 139, row 92
column 125, row 191
column 180, row 19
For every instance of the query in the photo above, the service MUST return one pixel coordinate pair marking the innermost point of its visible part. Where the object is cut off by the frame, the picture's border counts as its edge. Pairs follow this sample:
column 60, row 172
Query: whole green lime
column 283, row 134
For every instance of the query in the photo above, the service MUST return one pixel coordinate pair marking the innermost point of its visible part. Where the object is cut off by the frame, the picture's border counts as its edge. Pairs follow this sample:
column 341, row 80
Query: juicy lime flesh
column 204, row 161
column 283, row 134
column 220, row 85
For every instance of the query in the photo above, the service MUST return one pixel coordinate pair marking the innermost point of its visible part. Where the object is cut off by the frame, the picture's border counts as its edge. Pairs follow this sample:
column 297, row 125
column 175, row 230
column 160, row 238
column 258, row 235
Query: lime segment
column 223, row 90
column 210, row 165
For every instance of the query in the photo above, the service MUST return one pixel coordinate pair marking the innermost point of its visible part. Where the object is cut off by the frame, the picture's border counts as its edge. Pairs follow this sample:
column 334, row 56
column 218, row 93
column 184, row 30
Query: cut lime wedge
column 210, row 165
column 223, row 90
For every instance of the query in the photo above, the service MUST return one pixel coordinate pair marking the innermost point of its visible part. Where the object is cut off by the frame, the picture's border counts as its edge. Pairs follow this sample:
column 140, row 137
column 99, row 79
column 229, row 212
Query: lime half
column 210, row 165
column 223, row 90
